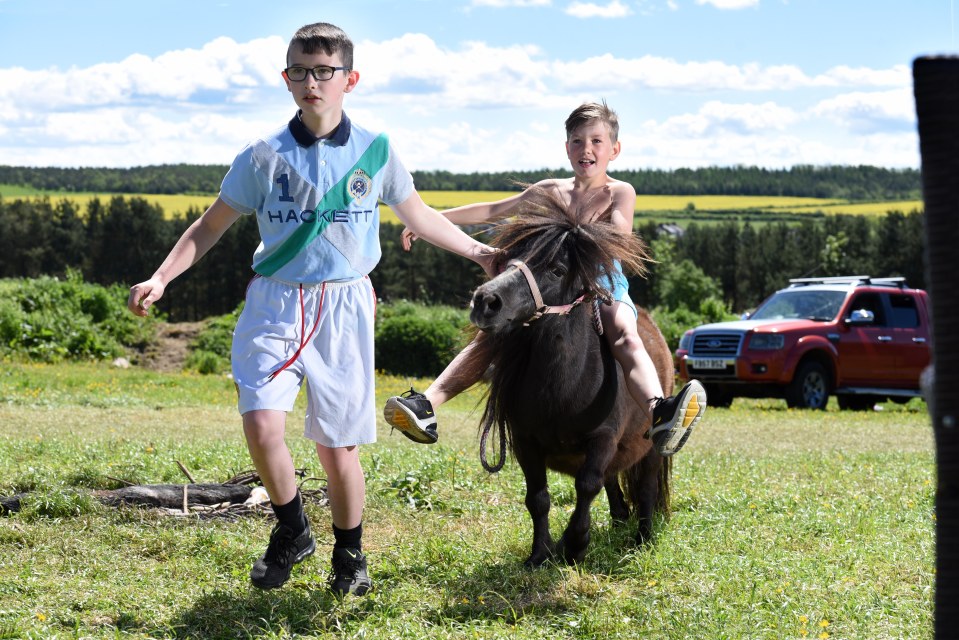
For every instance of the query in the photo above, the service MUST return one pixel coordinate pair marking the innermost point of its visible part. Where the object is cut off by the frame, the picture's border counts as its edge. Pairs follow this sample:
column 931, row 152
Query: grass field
column 178, row 204
column 786, row 524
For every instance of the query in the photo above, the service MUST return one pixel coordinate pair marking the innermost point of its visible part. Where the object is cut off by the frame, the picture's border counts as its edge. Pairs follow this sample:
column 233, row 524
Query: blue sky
column 475, row 85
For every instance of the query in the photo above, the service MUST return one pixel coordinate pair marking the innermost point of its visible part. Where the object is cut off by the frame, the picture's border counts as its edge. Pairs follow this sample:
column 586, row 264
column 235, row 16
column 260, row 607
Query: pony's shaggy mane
column 541, row 225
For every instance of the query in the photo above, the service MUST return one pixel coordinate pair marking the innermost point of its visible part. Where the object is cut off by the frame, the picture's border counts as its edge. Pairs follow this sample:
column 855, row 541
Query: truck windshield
column 801, row 303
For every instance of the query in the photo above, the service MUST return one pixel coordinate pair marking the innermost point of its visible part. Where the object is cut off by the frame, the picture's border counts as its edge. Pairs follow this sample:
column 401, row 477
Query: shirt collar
column 305, row 138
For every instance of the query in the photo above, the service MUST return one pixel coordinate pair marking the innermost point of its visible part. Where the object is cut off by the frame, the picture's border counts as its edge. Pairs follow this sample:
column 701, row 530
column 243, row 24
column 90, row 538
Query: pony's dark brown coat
column 555, row 389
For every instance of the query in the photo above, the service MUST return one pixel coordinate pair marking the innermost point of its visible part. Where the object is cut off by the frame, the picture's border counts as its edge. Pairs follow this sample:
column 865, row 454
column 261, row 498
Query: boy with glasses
column 592, row 142
column 313, row 186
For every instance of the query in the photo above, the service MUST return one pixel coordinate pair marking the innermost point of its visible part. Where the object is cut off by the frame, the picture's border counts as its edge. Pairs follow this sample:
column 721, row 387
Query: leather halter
column 541, row 308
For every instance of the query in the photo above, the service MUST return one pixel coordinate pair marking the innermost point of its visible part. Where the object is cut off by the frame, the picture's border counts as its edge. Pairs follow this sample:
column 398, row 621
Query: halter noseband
column 541, row 308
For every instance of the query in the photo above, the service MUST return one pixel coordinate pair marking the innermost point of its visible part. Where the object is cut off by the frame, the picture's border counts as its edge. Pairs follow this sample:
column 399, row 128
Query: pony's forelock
column 544, row 224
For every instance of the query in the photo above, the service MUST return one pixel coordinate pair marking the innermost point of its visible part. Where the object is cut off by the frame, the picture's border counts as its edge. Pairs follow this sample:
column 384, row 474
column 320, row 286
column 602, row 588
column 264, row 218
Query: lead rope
column 493, row 468
column 303, row 340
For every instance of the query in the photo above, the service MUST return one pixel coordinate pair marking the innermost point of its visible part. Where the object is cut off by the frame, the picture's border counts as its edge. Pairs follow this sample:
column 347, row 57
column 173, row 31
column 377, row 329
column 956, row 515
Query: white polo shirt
column 316, row 201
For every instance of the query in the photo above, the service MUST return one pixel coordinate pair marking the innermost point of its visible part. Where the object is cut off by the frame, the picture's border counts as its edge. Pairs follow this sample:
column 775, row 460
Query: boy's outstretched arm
column 475, row 213
column 426, row 223
column 192, row 245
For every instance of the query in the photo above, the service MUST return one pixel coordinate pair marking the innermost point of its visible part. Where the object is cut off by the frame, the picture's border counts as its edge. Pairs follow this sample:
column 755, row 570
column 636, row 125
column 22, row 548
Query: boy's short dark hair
column 589, row 111
column 325, row 37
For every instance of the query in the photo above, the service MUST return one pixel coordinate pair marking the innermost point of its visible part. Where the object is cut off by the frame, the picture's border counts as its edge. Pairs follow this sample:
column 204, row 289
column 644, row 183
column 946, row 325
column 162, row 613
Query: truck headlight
column 767, row 341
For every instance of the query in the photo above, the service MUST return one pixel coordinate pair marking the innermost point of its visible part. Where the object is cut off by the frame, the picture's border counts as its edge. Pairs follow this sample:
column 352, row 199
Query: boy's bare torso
column 590, row 200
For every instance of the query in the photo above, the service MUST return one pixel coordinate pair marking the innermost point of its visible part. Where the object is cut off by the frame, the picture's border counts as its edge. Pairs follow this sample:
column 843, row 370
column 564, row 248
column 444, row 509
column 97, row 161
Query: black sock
column 291, row 514
column 348, row 538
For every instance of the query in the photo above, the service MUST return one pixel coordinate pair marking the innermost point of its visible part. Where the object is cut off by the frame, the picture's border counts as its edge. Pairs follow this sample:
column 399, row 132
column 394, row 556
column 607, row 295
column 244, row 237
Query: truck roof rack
column 898, row 282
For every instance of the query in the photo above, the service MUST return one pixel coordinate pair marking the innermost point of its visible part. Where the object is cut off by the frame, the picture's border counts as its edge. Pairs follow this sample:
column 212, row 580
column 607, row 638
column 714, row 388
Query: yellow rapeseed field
column 174, row 205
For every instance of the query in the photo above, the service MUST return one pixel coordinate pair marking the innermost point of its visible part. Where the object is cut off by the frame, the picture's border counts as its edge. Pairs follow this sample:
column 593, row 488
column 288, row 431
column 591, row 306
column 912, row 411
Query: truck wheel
column 852, row 402
column 809, row 388
column 717, row 397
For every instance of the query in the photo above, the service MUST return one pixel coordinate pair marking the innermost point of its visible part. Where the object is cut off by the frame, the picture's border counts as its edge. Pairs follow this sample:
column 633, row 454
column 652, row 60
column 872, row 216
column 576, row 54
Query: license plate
column 706, row 363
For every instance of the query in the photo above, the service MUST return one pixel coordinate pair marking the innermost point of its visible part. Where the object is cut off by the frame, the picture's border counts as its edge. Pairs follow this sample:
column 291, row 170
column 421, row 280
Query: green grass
column 786, row 524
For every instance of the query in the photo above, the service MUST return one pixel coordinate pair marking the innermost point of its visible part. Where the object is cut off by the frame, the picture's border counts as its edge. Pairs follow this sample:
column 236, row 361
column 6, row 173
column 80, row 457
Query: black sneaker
column 675, row 417
column 286, row 549
column 348, row 574
column 413, row 415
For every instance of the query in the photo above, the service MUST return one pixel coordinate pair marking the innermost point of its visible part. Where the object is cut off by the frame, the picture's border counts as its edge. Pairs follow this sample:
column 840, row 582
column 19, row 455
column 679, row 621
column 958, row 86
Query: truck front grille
column 716, row 345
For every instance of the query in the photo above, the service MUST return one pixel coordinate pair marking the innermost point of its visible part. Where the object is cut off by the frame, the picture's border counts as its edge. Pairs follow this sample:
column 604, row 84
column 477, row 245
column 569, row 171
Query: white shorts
column 335, row 330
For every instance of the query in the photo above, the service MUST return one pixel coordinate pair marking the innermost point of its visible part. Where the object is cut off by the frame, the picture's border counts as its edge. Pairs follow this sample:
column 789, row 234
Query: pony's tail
column 634, row 481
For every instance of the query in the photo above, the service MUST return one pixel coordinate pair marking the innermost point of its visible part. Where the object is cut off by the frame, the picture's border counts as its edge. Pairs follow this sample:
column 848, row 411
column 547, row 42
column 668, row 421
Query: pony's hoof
column 644, row 536
column 536, row 561
column 568, row 554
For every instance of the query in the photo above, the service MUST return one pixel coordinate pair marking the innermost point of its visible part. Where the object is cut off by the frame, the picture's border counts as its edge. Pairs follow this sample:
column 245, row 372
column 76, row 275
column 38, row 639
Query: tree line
column 841, row 182
column 122, row 240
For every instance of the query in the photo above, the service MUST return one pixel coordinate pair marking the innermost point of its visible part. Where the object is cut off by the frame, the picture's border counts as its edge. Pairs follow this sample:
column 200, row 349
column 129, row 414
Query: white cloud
column 476, row 76
column 730, row 4
column 897, row 76
column 202, row 105
column 222, row 66
column 614, row 9
column 864, row 112
column 716, row 118
column 665, row 73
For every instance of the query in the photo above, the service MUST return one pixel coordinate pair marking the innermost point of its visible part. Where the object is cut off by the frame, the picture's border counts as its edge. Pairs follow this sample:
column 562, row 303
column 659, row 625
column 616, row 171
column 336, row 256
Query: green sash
column 338, row 197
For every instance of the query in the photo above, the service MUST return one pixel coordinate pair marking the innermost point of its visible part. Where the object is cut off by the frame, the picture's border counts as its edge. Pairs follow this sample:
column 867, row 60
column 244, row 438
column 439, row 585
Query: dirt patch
column 170, row 350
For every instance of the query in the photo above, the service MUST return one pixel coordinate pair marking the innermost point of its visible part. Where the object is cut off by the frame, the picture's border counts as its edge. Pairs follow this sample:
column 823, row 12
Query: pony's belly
column 568, row 463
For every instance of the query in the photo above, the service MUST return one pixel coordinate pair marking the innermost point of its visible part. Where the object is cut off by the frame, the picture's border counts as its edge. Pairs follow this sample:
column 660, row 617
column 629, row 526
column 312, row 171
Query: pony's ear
column 499, row 261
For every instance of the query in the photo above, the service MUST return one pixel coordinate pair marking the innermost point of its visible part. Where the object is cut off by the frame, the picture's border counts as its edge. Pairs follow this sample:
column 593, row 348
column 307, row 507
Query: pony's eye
column 558, row 270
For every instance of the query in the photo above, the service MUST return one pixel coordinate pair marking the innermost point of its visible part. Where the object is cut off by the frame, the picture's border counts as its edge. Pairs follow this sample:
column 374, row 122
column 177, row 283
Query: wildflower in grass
column 803, row 632
column 652, row 583
column 803, row 619
column 824, row 623
column 40, row 616
column 823, row 635
column 752, row 505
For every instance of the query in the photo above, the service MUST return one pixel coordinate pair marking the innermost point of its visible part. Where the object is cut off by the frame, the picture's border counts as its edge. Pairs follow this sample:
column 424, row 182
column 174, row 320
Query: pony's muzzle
column 485, row 307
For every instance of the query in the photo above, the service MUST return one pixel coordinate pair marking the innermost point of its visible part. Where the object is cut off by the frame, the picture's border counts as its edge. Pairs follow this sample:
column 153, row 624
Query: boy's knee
column 262, row 428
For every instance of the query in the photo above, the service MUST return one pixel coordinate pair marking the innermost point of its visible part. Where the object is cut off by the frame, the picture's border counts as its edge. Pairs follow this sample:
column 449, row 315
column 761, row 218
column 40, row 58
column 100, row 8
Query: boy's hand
column 490, row 260
column 143, row 295
column 406, row 238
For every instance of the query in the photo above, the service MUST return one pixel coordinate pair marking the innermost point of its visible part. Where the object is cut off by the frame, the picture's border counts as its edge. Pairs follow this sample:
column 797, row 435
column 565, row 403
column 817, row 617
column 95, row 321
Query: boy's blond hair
column 325, row 37
column 590, row 111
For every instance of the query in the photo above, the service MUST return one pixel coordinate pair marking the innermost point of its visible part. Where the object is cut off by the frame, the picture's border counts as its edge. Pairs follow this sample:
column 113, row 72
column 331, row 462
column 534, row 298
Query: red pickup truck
column 862, row 339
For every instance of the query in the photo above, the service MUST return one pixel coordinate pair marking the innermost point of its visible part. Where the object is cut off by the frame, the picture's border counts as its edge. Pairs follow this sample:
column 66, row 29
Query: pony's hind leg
column 618, row 509
column 643, row 487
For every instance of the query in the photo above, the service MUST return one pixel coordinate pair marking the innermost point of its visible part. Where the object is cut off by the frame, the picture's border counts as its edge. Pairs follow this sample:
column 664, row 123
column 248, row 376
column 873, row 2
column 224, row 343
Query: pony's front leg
column 590, row 480
column 537, row 503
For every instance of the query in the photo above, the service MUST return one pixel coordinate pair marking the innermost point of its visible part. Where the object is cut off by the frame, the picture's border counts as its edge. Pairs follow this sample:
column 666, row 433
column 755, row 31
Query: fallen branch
column 185, row 471
column 237, row 496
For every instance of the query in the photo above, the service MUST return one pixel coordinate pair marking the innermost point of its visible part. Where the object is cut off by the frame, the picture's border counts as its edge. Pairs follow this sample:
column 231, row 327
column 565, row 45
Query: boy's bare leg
column 672, row 418
column 346, row 484
column 291, row 540
column 642, row 379
column 414, row 414
column 265, row 430
column 463, row 371
column 346, row 490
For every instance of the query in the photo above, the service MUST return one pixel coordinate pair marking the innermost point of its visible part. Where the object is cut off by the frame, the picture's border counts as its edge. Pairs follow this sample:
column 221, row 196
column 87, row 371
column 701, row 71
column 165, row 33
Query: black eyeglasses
column 322, row 72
